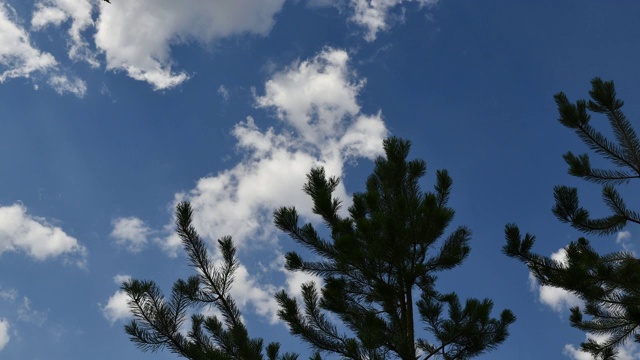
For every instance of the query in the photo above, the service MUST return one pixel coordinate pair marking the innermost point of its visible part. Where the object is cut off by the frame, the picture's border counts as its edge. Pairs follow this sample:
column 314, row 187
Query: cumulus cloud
column 36, row 237
column 4, row 333
column 320, row 124
column 316, row 100
column 374, row 15
column 558, row 299
column 18, row 57
column 314, row 96
column 117, row 307
column 136, row 36
column 130, row 233
column 78, row 13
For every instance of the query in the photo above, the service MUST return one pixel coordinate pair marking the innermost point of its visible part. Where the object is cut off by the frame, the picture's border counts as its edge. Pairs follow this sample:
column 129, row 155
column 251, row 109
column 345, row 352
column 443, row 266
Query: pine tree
column 379, row 261
column 609, row 284
column 158, row 321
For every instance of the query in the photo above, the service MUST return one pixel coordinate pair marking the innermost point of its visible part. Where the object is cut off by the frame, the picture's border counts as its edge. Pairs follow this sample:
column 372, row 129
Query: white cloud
column 363, row 138
column 374, row 15
column 120, row 279
column 317, row 99
column 137, row 36
column 130, row 233
column 44, row 16
column 18, row 57
column 24, row 310
column 246, row 290
column 62, row 84
column 622, row 239
column 316, row 102
column 117, row 307
column 314, row 96
column 224, row 92
column 4, row 333
column 57, row 12
column 295, row 279
column 27, row 314
column 628, row 351
column 9, row 295
column 558, row 299
column 36, row 237
column 575, row 353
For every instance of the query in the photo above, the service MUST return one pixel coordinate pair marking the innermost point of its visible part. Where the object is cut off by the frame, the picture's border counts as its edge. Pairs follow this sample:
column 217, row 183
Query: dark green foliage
column 157, row 320
column 624, row 153
column 609, row 284
column 378, row 258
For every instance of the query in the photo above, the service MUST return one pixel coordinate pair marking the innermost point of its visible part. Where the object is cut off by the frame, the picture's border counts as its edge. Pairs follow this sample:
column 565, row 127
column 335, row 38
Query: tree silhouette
column 609, row 284
column 158, row 321
column 379, row 267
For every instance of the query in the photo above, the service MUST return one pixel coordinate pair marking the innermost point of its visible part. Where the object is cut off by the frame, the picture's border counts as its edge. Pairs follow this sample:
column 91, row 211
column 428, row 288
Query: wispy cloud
column 374, row 15
column 18, row 311
column 59, row 12
column 28, row 314
column 63, row 84
column 224, row 92
column 9, row 294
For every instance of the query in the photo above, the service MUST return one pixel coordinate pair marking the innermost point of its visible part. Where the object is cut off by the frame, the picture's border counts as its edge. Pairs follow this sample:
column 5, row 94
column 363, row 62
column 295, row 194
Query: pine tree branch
column 576, row 117
column 375, row 258
column 605, row 101
column 157, row 323
column 580, row 166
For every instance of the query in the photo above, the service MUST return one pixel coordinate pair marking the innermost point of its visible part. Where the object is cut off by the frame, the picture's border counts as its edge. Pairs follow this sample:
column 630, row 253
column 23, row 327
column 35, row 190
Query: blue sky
column 112, row 113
